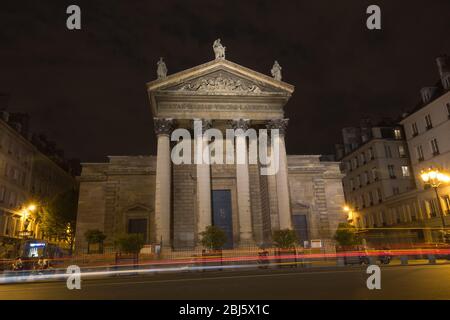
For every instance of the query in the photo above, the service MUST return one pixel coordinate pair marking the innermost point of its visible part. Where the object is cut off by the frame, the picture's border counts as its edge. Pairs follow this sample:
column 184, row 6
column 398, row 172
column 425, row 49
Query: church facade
column 171, row 203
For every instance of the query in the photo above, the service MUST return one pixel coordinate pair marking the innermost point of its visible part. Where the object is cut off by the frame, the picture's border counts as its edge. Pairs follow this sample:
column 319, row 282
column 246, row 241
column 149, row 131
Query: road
column 397, row 282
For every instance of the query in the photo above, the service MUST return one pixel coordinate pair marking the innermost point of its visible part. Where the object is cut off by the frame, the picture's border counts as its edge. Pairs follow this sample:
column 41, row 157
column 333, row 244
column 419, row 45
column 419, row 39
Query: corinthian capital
column 280, row 124
column 243, row 124
column 206, row 124
column 163, row 126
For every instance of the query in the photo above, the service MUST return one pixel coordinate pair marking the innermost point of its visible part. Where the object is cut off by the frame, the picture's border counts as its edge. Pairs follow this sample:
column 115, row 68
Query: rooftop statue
column 161, row 71
column 276, row 71
column 219, row 49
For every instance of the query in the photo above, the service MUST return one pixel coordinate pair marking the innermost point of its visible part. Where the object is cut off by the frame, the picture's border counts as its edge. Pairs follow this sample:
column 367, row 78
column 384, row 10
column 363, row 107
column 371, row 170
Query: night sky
column 86, row 89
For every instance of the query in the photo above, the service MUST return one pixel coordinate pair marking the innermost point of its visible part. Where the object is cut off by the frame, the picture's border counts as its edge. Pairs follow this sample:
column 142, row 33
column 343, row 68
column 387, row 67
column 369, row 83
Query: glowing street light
column 349, row 213
column 435, row 178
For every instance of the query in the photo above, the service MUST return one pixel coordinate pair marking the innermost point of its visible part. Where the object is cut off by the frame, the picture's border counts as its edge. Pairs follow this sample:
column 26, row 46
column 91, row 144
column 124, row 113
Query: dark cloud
column 86, row 89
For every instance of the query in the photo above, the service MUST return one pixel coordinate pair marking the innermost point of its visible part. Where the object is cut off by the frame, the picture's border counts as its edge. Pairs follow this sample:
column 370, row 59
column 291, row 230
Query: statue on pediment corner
column 161, row 70
column 276, row 71
column 219, row 49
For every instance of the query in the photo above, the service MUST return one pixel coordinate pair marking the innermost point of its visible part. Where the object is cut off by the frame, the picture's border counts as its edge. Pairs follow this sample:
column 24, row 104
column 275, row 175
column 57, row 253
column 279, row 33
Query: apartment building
column 399, row 208
column 29, row 173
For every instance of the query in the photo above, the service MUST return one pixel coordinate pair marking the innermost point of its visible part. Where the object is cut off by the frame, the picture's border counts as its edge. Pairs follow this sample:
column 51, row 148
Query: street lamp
column 349, row 213
column 25, row 212
column 435, row 178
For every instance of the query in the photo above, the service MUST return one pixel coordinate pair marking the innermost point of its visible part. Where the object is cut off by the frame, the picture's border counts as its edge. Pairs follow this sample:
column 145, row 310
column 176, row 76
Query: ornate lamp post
column 349, row 214
column 435, row 178
column 25, row 212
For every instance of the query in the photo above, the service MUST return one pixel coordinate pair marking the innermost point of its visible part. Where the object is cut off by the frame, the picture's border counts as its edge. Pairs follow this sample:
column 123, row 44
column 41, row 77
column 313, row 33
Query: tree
column 213, row 238
column 58, row 218
column 346, row 235
column 94, row 236
column 130, row 243
column 285, row 238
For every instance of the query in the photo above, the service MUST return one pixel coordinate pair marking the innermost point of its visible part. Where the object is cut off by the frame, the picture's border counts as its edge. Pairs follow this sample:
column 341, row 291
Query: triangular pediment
column 218, row 89
column 220, row 77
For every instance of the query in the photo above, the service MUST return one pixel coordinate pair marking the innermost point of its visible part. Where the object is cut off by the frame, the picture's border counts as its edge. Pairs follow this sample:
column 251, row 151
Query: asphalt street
column 397, row 282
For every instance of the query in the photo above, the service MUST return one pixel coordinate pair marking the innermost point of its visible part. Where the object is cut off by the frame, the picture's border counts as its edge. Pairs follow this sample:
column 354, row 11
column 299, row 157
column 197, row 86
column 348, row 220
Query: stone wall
column 316, row 191
column 124, row 188
column 113, row 192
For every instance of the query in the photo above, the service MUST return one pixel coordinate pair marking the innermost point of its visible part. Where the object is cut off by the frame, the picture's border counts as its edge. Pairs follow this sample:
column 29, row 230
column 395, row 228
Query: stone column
column 163, row 129
column 204, row 217
column 243, row 182
column 282, row 182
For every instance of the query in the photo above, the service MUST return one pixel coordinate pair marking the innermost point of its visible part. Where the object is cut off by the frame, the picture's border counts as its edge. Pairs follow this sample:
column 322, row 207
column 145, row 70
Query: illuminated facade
column 172, row 203
column 27, row 176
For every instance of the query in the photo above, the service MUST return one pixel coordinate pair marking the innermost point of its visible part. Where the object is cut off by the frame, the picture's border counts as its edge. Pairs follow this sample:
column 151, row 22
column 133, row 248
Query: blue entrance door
column 300, row 227
column 222, row 215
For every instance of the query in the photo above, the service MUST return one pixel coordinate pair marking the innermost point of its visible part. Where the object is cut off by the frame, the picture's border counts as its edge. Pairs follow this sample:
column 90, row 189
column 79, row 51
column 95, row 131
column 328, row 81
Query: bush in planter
column 95, row 236
column 130, row 243
column 285, row 239
column 347, row 238
column 346, row 235
column 213, row 238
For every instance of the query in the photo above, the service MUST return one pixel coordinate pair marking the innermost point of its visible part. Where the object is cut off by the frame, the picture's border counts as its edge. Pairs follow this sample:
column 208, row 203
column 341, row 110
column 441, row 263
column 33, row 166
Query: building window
column 447, row 203
column 366, row 177
column 448, row 109
column 12, row 199
column 414, row 129
column 2, row 193
column 401, row 151
column 370, row 154
column 348, row 165
column 379, row 197
column 397, row 134
column 434, row 147
column 428, row 122
column 374, row 174
column 387, row 151
column 352, row 186
column 391, row 171
column 371, row 198
column 431, row 208
column 363, row 158
column 380, row 218
column 355, row 163
column 358, row 181
column 395, row 190
column 419, row 151
column 405, row 171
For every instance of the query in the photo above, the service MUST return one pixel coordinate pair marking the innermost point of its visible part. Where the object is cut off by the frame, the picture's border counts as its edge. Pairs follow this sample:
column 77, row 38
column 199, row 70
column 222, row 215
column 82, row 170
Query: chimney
column 443, row 64
column 427, row 93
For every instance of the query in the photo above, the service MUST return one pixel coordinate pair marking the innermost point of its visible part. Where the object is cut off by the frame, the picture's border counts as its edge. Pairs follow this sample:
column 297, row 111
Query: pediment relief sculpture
column 220, row 83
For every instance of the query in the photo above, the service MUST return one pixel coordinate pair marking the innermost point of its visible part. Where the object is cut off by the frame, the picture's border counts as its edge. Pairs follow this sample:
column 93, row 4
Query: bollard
column 431, row 259
column 404, row 260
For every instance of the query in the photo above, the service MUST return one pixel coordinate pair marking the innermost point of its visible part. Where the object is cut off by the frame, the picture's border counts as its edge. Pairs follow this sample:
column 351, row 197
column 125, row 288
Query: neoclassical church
column 170, row 204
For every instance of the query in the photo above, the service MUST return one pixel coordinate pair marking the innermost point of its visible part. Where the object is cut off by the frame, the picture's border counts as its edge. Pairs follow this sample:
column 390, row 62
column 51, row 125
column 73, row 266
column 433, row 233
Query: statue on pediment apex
column 161, row 70
column 276, row 71
column 219, row 49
